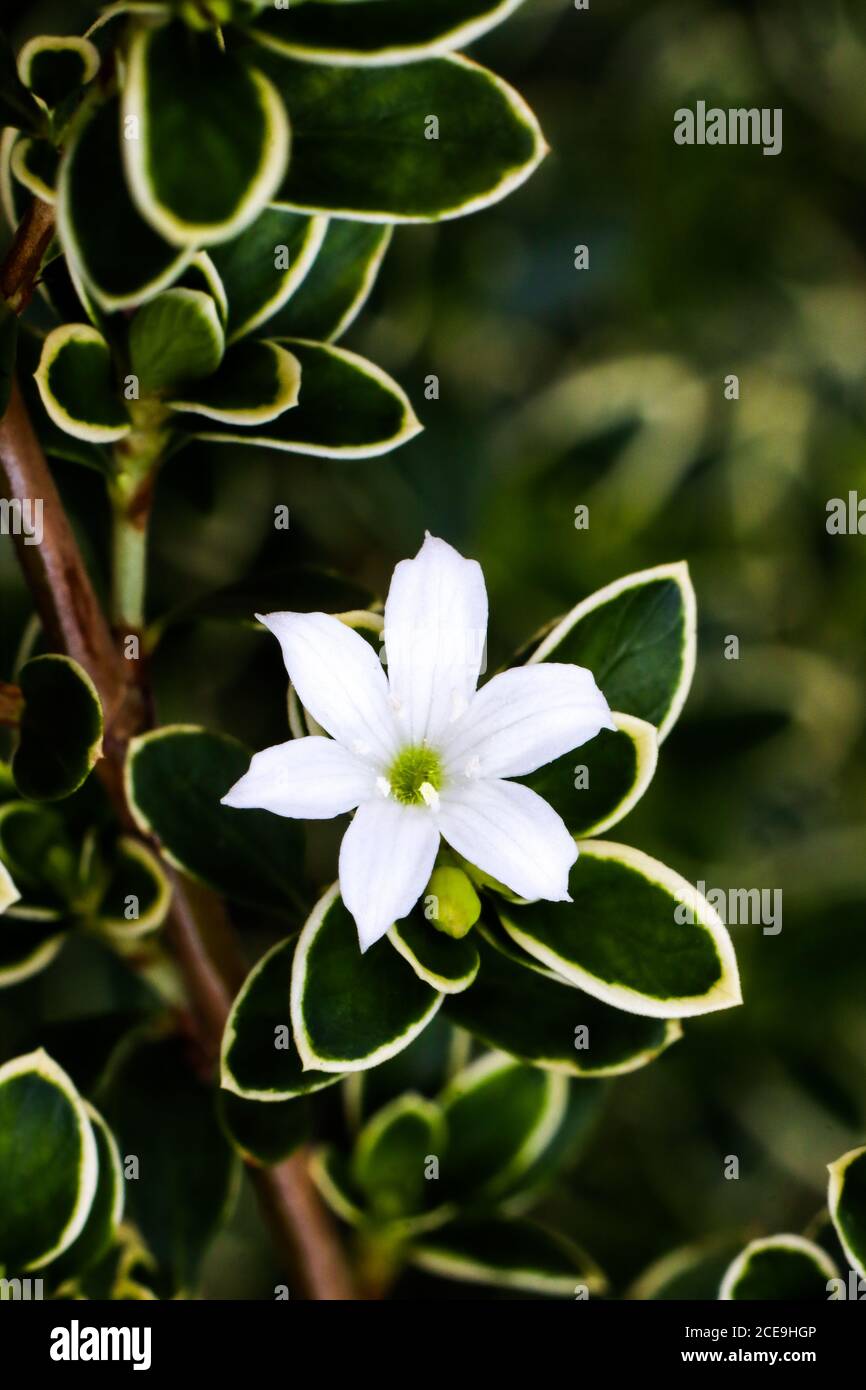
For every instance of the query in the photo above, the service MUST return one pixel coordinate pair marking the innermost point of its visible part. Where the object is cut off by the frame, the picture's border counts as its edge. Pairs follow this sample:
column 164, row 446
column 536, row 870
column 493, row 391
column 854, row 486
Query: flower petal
column 435, row 627
column 309, row 778
column 525, row 718
column 509, row 832
column 386, row 860
column 339, row 679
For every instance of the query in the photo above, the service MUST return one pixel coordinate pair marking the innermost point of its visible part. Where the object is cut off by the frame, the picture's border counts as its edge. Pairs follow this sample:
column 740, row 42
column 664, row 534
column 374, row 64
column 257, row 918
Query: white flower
column 420, row 752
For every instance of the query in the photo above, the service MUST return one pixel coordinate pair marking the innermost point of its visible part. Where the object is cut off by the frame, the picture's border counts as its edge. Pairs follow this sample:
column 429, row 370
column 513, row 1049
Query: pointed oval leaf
column 212, row 136
column 638, row 637
column 510, row 1254
column 138, row 896
column 174, row 780
column 337, row 285
column 18, row 108
column 259, row 1059
column 380, row 32
column 391, row 1154
column 54, row 440
column 119, row 257
column 75, row 379
column 264, row 1133
column 501, row 1117
column 48, row 1162
column 636, row 935
column 54, row 67
column 35, row 164
column 60, row 731
column 779, row 1268
column 362, row 146
column 26, row 947
column 595, row 787
column 106, row 1210
column 446, row 964
column 544, row 1020
column 264, row 264
column 255, row 385
column 331, row 1173
column 348, row 408
column 352, row 1011
column 175, row 337
column 847, row 1202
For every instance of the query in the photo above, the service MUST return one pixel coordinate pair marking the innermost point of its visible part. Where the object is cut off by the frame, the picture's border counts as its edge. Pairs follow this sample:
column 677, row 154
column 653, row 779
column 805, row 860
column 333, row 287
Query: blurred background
column 605, row 387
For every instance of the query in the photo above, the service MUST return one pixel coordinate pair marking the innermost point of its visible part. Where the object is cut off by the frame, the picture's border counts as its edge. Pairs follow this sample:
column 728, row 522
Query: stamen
column 415, row 775
column 430, row 795
column 383, row 786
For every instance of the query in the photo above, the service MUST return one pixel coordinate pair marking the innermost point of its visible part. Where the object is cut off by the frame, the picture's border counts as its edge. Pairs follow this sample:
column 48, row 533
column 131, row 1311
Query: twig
column 67, row 605
column 74, row 622
column 20, row 270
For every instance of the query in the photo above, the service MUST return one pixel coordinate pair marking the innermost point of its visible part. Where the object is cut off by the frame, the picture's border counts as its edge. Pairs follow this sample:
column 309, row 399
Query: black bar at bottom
column 256, row 1339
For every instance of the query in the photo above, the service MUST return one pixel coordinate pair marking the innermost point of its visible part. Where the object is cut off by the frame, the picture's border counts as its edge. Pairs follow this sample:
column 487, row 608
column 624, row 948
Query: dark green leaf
column 27, row 946
column 548, row 1022
column 500, row 1118
column 106, row 1210
column 637, row 636
column 337, row 285
column 55, row 67
column 352, row 1011
column 120, row 258
column 509, row 1254
column 17, row 106
column 175, row 778
column 391, row 1157
column 175, row 337
column 361, row 143
column 847, row 1202
column 595, row 786
column 212, row 136
column 48, row 1162
column 256, row 383
column 380, row 31
column 259, row 1059
column 60, row 731
column 263, row 266
column 35, row 164
column 348, row 408
column 138, row 895
column 446, row 964
column 626, row 936
column 784, row 1268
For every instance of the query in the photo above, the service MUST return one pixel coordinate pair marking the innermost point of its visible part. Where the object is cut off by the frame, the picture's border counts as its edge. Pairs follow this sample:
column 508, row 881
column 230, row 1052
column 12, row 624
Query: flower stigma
column 415, row 776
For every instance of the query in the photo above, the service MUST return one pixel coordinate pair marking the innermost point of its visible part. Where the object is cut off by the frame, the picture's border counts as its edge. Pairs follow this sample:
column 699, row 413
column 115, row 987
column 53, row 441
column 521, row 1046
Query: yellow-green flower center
column 413, row 772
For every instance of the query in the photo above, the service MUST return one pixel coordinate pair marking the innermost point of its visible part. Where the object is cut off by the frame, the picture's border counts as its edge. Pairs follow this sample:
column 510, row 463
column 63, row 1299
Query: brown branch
column 20, row 270
column 65, row 600
column 302, row 1231
column 208, row 955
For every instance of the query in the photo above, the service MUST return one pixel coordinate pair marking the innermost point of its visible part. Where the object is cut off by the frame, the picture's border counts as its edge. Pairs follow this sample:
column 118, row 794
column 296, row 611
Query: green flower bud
column 456, row 906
